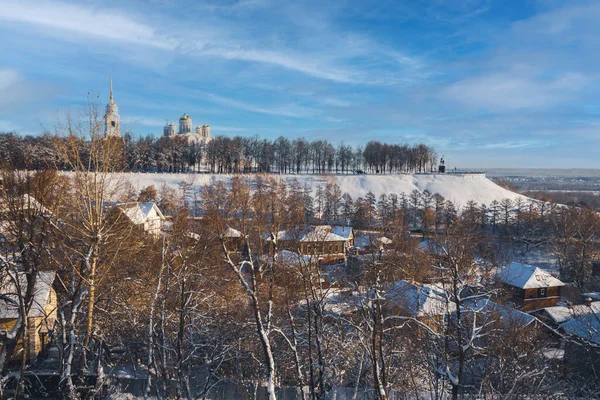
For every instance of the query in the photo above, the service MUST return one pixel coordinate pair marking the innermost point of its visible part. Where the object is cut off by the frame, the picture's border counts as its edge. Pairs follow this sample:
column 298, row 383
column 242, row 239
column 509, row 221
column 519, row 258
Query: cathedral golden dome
column 185, row 117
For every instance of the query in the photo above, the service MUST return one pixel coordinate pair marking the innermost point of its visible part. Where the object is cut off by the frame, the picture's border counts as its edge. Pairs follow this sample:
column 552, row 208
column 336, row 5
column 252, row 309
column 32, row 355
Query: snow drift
column 458, row 188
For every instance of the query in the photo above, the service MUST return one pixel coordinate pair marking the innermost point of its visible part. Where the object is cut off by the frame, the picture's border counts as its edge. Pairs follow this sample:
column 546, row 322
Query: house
column 427, row 303
column 530, row 288
column 146, row 216
column 42, row 314
column 325, row 241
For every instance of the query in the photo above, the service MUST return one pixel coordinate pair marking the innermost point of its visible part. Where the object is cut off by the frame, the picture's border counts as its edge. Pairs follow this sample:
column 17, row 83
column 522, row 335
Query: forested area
column 231, row 155
column 184, row 312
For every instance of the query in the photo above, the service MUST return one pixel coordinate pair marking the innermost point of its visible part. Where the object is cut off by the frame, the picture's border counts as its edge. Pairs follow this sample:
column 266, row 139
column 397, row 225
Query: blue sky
column 498, row 83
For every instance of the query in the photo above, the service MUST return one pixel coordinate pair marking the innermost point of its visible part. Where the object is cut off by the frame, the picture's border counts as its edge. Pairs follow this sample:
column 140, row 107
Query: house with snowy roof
column 530, row 288
column 427, row 303
column 42, row 314
column 321, row 240
column 146, row 216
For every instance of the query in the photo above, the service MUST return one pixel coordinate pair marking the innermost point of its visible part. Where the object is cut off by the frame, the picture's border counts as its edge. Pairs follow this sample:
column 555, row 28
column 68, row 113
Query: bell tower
column 112, row 121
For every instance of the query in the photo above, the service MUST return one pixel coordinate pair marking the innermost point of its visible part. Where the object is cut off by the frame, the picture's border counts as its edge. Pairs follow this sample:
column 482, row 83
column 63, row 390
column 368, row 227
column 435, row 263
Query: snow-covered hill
column 458, row 188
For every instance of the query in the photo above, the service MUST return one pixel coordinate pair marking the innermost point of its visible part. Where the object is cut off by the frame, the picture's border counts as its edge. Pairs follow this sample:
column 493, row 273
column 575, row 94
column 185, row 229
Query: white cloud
column 78, row 20
column 328, row 54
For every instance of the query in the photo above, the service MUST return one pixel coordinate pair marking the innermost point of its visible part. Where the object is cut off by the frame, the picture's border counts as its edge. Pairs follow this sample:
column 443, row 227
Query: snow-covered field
column 458, row 188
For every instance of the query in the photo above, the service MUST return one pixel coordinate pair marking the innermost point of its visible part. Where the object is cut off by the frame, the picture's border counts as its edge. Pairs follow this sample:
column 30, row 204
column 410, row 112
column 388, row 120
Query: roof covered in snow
column 291, row 258
column 418, row 300
column 139, row 213
column 9, row 303
column 24, row 203
column 587, row 327
column 507, row 315
column 527, row 277
column 342, row 231
column 232, row 233
column 561, row 314
column 319, row 233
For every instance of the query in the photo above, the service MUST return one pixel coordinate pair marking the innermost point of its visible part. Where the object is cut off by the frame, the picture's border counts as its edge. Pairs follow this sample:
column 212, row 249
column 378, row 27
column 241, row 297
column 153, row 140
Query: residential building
column 42, row 314
column 530, row 288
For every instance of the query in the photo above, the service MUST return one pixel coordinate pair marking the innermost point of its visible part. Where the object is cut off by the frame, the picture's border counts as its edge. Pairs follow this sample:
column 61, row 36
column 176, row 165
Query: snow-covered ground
column 458, row 188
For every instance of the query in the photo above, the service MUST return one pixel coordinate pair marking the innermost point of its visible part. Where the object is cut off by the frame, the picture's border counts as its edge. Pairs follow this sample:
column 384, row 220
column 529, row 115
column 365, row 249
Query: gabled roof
column 138, row 213
column 527, row 277
column 418, row 300
column 9, row 307
column 25, row 203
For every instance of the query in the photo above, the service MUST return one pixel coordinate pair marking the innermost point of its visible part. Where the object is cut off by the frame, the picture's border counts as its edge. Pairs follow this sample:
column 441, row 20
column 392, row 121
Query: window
column 542, row 292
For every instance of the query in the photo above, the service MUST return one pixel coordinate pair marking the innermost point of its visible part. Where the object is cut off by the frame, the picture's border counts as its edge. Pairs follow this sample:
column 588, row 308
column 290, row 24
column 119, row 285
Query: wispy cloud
column 503, row 91
column 75, row 19
column 143, row 120
column 324, row 59
column 286, row 110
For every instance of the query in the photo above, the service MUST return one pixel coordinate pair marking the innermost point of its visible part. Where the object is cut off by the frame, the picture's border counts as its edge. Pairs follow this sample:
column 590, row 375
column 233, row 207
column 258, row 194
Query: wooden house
column 323, row 241
column 42, row 314
column 530, row 288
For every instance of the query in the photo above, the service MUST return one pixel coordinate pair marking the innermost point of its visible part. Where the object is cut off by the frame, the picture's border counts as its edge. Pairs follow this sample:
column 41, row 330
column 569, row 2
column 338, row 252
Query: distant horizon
column 485, row 82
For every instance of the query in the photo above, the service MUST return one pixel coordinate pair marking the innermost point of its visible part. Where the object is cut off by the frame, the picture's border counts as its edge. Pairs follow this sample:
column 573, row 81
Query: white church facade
column 200, row 136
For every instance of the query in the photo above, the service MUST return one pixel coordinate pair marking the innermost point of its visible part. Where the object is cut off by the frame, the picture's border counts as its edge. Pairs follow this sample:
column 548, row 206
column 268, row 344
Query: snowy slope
column 458, row 188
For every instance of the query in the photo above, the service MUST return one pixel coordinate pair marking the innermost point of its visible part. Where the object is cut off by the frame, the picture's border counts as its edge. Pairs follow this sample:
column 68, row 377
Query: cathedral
column 112, row 121
column 200, row 136
column 112, row 125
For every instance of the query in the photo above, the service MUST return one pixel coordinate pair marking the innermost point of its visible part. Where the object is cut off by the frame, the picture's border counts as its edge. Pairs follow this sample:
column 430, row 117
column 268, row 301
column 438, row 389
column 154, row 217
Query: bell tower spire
column 112, row 121
column 111, row 94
